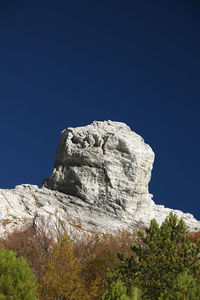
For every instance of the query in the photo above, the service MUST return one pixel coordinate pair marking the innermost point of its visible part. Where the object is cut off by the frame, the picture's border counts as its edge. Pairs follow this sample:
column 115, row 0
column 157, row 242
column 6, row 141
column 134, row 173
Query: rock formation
column 99, row 180
column 105, row 165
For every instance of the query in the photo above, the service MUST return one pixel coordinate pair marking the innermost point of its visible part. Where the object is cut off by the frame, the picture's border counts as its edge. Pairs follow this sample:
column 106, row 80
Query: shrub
column 16, row 278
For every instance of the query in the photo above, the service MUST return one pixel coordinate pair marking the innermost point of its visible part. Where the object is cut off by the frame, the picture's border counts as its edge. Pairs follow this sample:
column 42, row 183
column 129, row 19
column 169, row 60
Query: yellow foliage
column 61, row 275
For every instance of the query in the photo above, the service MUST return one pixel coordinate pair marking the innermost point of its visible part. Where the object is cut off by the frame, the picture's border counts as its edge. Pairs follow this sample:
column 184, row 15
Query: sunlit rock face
column 104, row 164
column 99, row 182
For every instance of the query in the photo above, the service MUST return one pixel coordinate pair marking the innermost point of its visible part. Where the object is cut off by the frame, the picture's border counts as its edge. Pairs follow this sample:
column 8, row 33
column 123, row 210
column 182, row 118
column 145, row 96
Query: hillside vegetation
column 159, row 262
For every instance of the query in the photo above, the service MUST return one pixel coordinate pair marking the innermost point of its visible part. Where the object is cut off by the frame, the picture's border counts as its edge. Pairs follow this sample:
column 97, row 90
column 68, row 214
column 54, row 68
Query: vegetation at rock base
column 159, row 262
column 158, row 258
column 183, row 287
column 61, row 274
column 16, row 278
column 89, row 256
column 118, row 291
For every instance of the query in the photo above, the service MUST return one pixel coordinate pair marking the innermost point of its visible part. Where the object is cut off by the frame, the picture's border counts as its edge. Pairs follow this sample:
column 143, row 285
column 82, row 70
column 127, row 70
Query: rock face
column 99, row 180
column 104, row 164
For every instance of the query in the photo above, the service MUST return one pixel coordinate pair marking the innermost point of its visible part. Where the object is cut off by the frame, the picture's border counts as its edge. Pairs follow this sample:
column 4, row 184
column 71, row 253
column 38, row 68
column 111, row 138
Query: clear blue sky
column 67, row 63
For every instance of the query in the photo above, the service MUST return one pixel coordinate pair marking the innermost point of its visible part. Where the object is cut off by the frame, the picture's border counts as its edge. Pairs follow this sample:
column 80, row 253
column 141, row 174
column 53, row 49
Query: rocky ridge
column 99, row 182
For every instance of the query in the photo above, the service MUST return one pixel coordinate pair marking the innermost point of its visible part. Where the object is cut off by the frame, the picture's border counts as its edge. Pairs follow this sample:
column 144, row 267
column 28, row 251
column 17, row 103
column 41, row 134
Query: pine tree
column 184, row 287
column 162, row 254
column 118, row 291
column 16, row 278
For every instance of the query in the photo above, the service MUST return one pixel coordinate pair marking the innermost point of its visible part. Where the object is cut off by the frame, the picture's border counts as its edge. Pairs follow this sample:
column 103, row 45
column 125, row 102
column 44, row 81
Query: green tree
column 118, row 291
column 161, row 255
column 184, row 287
column 16, row 278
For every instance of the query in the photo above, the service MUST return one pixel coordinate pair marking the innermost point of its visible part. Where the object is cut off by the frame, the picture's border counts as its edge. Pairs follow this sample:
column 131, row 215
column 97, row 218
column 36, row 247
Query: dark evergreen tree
column 161, row 255
column 184, row 287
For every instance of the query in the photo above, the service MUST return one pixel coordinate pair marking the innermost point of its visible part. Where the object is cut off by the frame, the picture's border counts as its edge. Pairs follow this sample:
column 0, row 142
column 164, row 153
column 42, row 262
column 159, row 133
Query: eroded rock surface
column 104, row 164
column 99, row 180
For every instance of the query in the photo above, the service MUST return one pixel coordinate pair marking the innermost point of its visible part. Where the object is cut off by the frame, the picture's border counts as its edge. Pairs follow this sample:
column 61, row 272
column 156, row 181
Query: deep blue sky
column 67, row 63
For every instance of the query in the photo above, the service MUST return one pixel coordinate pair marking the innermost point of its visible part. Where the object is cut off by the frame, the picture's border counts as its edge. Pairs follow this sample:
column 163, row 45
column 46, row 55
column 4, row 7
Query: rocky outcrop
column 99, row 181
column 104, row 164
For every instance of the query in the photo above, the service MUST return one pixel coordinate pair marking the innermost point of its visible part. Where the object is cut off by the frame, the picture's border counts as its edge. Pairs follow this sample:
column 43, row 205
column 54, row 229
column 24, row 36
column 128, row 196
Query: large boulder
column 104, row 164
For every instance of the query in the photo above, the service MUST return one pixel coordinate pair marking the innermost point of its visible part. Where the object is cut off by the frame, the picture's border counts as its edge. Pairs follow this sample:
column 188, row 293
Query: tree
column 61, row 274
column 184, row 287
column 32, row 245
column 162, row 254
column 99, row 253
column 116, row 291
column 16, row 278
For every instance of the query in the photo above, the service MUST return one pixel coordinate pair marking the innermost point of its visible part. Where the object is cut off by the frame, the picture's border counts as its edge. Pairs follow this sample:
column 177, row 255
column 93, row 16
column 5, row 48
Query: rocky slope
column 99, row 181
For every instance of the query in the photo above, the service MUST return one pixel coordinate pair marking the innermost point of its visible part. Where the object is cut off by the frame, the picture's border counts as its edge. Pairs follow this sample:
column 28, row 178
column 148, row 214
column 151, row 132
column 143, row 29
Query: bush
column 16, row 278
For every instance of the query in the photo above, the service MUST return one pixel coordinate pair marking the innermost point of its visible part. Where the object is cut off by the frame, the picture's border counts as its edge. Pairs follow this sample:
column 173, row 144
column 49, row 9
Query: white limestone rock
column 99, row 180
column 104, row 164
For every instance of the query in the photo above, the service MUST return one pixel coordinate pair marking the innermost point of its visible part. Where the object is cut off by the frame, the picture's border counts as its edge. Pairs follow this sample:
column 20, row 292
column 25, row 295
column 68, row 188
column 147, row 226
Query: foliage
column 76, row 268
column 61, row 274
column 162, row 254
column 16, row 278
column 184, row 287
column 98, row 252
column 194, row 236
column 33, row 246
column 95, row 253
column 118, row 291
